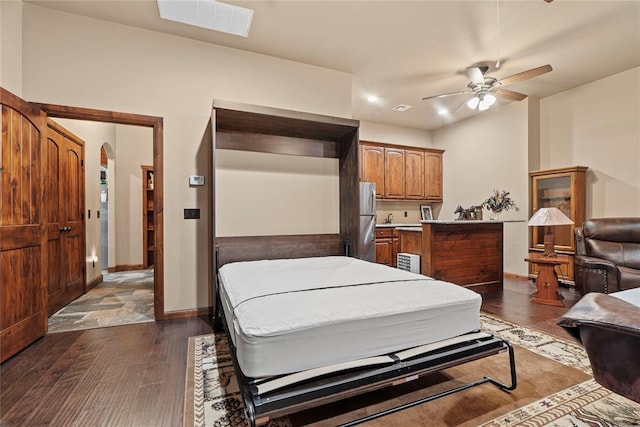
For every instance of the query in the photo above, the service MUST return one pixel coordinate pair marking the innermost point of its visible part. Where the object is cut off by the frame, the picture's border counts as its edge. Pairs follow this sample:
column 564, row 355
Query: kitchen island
column 468, row 253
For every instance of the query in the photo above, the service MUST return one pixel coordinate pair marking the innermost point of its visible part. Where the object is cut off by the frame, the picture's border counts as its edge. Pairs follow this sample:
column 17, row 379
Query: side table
column 547, row 280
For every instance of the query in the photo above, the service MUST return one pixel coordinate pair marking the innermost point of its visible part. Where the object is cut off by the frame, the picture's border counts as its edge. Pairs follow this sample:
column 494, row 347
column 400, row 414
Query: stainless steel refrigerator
column 367, row 232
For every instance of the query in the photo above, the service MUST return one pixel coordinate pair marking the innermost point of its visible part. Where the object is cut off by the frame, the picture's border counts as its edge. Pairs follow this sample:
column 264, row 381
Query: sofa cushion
column 629, row 277
column 613, row 229
column 614, row 239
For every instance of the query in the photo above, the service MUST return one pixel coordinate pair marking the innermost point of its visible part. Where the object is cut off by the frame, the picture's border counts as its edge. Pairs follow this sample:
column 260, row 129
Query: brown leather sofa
column 608, row 326
column 607, row 255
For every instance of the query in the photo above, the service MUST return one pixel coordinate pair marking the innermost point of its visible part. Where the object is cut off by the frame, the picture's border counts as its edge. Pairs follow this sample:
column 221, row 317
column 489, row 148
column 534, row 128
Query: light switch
column 196, row 180
column 192, row 214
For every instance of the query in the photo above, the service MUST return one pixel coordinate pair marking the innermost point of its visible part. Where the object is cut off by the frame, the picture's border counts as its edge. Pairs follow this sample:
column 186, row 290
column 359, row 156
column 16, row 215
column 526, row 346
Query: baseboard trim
column 95, row 282
column 180, row 314
column 125, row 267
column 515, row 276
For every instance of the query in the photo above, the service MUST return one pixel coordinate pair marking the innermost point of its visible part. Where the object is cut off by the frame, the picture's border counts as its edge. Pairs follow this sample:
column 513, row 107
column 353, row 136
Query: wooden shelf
column 148, row 217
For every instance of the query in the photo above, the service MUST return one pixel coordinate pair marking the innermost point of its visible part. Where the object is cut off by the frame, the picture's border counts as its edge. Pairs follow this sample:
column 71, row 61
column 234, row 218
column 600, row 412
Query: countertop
column 444, row 221
column 480, row 221
column 394, row 225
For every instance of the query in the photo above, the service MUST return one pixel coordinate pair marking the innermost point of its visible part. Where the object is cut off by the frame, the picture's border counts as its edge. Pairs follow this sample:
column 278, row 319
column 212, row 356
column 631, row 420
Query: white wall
column 485, row 152
column 95, row 64
column 390, row 134
column 11, row 46
column 598, row 125
column 134, row 148
column 248, row 183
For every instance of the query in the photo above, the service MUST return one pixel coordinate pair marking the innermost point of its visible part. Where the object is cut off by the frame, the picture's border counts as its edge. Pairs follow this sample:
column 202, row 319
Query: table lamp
column 549, row 217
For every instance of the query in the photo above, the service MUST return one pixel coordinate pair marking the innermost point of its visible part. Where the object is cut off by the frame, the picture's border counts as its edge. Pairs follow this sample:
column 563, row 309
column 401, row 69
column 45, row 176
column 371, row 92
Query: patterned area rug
column 212, row 397
column 584, row 405
column 123, row 298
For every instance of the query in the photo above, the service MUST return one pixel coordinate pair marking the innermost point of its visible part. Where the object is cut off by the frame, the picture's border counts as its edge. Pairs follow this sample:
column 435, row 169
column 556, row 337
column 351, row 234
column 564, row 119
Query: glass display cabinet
column 564, row 189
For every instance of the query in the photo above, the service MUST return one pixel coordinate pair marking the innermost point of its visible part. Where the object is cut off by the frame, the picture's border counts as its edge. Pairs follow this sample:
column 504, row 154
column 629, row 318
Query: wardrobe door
column 65, row 202
column 23, row 238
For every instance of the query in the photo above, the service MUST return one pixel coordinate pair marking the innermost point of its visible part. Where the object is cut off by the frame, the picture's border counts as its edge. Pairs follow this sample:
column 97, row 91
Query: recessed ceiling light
column 401, row 107
column 372, row 98
column 442, row 112
column 210, row 14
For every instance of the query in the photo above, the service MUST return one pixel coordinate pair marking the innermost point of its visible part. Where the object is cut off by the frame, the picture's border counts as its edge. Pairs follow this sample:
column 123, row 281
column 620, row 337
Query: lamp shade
column 549, row 216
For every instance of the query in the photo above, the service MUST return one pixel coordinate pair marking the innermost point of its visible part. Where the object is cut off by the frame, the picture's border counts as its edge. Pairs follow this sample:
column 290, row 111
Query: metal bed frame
column 260, row 408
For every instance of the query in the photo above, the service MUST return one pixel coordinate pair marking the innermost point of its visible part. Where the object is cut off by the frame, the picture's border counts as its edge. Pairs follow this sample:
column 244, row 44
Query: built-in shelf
column 148, row 218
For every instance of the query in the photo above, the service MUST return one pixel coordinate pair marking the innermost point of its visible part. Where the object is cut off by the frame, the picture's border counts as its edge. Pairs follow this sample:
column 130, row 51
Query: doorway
column 156, row 123
column 119, row 287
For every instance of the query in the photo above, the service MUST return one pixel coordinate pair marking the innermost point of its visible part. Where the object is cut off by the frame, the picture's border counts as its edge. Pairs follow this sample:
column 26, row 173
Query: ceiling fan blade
column 475, row 75
column 509, row 94
column 445, row 94
column 525, row 75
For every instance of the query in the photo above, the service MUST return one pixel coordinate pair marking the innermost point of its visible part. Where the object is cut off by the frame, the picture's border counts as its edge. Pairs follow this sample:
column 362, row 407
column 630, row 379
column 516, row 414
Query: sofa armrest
column 595, row 275
column 604, row 312
column 609, row 330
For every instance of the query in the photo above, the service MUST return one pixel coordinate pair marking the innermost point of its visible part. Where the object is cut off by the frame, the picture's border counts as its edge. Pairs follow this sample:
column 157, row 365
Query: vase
column 494, row 216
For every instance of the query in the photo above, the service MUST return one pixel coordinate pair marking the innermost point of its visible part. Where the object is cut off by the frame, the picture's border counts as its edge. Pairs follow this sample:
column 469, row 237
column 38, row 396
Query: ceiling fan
column 485, row 88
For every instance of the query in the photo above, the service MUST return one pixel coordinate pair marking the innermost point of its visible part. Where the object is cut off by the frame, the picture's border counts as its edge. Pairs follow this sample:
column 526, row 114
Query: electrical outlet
column 192, row 214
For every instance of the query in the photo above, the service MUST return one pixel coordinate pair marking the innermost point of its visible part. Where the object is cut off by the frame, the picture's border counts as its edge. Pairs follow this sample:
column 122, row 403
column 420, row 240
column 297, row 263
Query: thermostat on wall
column 196, row 180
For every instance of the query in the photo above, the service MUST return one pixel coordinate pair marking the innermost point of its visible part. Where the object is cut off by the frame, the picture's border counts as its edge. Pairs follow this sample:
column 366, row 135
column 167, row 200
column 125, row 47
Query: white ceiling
column 402, row 51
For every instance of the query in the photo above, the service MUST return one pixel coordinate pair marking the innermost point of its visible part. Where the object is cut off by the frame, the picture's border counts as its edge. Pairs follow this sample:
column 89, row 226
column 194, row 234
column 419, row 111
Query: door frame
column 90, row 114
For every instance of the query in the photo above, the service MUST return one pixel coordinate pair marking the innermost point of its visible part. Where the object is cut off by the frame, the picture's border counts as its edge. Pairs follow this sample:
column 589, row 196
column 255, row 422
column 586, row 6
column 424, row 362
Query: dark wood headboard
column 252, row 248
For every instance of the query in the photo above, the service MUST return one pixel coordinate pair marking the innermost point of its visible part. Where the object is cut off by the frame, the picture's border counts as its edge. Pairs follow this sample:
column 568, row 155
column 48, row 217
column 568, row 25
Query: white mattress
column 632, row 296
column 281, row 322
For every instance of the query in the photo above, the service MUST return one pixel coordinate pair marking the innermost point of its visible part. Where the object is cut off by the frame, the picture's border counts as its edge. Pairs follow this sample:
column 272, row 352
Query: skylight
column 210, row 14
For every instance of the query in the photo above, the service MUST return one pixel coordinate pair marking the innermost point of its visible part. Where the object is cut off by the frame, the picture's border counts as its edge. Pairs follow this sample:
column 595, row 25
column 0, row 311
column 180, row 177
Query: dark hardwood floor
column 134, row 375
column 513, row 304
column 130, row 375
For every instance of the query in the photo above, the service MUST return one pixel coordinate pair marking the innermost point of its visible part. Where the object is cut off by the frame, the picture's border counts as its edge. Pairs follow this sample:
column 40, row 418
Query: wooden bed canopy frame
column 269, row 130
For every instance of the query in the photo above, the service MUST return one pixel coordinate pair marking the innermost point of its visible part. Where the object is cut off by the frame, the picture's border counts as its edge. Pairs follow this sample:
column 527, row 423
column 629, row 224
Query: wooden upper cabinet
column 433, row 176
column 372, row 167
column 402, row 173
column 394, row 171
column 414, row 174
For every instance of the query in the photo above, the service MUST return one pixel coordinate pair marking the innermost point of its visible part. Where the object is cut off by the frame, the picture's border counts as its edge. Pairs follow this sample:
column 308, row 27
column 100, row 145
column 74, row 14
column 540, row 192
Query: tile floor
column 122, row 298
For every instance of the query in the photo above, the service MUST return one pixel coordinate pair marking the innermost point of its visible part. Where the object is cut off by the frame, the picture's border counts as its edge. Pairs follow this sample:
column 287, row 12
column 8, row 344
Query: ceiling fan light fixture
column 473, row 102
column 489, row 99
column 483, row 106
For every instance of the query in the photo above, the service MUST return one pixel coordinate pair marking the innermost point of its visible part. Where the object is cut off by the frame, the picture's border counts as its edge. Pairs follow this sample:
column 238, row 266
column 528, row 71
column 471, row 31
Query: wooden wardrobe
column 42, row 225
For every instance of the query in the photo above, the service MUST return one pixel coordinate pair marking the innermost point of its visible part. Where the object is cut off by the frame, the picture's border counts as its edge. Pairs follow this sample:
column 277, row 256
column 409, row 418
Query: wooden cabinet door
column 23, row 237
column 433, row 176
column 384, row 248
column 395, row 248
column 394, row 171
column 65, row 207
column 414, row 175
column 372, row 167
